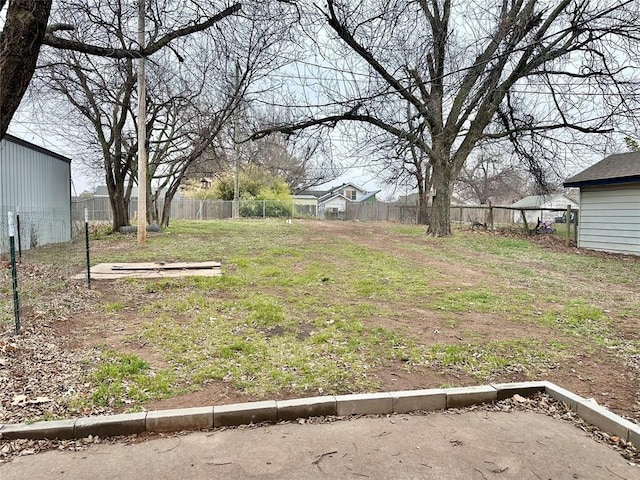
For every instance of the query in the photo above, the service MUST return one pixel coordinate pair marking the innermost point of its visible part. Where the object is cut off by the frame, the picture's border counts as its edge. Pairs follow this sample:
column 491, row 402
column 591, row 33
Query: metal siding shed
column 37, row 183
column 610, row 204
column 610, row 218
column 552, row 200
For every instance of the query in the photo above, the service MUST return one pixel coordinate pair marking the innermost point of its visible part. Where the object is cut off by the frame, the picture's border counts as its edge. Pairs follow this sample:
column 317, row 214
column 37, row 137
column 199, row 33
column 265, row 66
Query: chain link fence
column 35, row 228
column 464, row 216
column 49, row 249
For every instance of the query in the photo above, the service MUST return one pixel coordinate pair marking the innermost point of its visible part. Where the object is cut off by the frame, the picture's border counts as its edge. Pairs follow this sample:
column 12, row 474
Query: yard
column 316, row 308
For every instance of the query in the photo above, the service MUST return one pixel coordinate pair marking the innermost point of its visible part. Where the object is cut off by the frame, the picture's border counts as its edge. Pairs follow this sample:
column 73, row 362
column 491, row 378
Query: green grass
column 261, row 348
column 298, row 309
column 581, row 320
column 484, row 360
column 113, row 307
column 124, row 379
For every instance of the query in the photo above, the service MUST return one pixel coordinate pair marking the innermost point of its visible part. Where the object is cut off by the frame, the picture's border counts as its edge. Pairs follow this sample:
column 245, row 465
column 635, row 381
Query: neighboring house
column 610, row 204
column 332, row 203
column 305, row 205
column 537, row 205
column 35, row 183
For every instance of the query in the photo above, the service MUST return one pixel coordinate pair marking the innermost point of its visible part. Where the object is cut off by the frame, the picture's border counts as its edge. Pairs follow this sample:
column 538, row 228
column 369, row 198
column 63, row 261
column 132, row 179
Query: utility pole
column 236, row 150
column 142, row 130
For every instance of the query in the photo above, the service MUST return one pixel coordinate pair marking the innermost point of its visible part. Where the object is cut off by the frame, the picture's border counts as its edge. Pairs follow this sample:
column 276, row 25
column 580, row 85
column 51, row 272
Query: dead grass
column 328, row 307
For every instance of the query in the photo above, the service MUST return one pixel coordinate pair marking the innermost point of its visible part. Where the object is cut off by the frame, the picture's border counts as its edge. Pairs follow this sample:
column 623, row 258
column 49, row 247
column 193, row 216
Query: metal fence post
column 86, row 239
column 568, row 223
column 14, row 272
column 18, row 232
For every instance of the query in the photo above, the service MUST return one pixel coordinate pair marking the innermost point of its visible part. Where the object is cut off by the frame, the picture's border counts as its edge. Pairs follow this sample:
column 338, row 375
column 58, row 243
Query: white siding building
column 538, row 205
column 36, row 183
column 610, row 204
column 332, row 204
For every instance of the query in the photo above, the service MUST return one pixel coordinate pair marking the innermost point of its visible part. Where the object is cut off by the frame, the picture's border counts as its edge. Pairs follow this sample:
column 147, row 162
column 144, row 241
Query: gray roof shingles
column 618, row 168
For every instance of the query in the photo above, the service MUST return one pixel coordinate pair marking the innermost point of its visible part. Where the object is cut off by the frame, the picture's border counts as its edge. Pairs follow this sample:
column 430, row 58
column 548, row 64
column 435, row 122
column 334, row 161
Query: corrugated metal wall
column 610, row 218
column 36, row 183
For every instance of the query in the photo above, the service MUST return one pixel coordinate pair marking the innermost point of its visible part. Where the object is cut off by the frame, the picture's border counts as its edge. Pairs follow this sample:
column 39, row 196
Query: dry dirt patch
column 83, row 325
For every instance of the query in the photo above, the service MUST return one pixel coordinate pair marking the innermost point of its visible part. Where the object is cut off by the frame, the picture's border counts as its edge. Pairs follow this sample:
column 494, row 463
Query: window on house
column 350, row 194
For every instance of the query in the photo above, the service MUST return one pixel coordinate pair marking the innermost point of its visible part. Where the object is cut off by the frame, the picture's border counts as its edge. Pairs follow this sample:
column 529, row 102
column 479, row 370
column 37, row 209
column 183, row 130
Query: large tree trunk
column 120, row 209
column 166, row 212
column 423, row 208
column 20, row 42
column 424, row 178
column 119, row 198
column 172, row 189
column 440, row 222
column 154, row 214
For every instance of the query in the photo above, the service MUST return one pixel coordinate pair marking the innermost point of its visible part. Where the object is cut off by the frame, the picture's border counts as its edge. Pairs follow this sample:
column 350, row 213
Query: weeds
column 485, row 360
column 298, row 309
column 124, row 379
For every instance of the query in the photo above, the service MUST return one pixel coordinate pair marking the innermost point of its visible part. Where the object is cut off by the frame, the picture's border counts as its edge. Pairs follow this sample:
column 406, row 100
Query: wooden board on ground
column 112, row 271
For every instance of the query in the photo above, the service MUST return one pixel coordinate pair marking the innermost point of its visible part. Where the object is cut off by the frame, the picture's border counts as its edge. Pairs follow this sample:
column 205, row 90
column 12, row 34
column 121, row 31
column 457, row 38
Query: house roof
column 302, row 196
column 327, row 198
column 368, row 195
column 614, row 169
column 315, row 193
column 540, row 200
column 18, row 141
column 331, row 191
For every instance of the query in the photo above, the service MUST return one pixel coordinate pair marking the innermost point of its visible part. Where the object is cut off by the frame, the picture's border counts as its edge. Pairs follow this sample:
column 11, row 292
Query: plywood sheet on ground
column 112, row 271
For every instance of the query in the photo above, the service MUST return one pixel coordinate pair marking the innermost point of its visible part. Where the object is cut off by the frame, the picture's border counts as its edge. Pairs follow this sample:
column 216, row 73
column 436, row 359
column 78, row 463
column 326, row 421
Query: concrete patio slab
column 472, row 445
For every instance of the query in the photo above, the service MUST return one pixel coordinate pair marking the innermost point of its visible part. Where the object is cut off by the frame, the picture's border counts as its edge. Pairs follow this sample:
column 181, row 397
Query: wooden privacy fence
column 381, row 212
column 489, row 217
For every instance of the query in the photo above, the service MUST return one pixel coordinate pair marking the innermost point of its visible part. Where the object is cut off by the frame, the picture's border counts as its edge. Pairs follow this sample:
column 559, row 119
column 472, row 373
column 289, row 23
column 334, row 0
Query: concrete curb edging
column 340, row 405
column 596, row 415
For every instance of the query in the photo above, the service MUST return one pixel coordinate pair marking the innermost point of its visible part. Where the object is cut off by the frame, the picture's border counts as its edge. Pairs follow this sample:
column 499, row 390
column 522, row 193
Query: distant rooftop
column 538, row 200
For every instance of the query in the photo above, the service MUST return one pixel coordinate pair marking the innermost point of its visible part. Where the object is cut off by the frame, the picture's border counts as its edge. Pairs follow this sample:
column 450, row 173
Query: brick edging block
column 111, row 425
column 364, row 404
column 525, row 389
column 564, row 396
column 60, row 429
column 597, row 415
column 196, row 418
column 245, row 413
column 306, row 407
column 460, row 397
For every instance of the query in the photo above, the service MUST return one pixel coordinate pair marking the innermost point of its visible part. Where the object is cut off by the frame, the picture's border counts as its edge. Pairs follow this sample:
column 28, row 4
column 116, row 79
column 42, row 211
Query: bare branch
column 66, row 44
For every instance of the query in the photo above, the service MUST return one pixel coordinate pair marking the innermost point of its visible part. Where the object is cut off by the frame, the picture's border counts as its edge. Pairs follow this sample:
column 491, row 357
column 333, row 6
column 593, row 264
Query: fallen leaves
column 22, row 400
column 40, row 378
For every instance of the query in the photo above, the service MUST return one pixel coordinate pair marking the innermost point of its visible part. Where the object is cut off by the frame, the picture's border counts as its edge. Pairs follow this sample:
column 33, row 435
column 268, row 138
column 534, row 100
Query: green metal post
column 19, row 237
column 86, row 240
column 14, row 272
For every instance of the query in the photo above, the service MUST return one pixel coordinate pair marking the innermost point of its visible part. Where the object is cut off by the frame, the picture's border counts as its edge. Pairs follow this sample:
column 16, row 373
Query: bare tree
column 235, row 69
column 302, row 161
column 399, row 162
column 26, row 29
column 193, row 90
column 487, row 177
column 524, row 70
column 20, row 42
